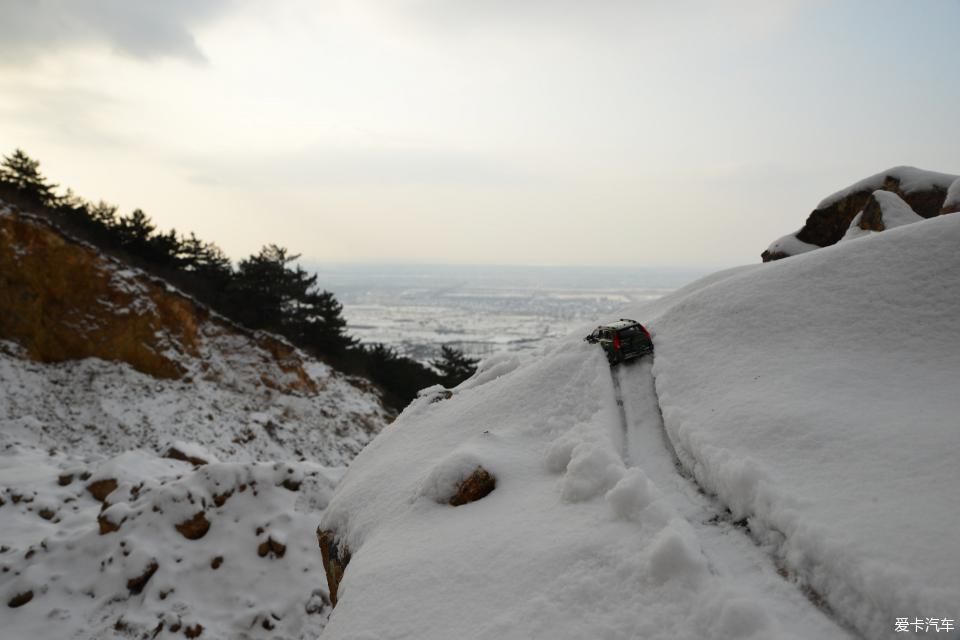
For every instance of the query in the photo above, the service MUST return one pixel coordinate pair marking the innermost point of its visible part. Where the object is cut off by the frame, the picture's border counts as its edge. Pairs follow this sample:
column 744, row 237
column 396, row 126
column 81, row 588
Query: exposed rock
column 216, row 562
column 290, row 484
column 107, row 525
column 476, row 486
column 193, row 631
column 65, row 479
column 194, row 528
column 136, row 585
column 336, row 557
column 20, row 599
column 923, row 191
column 271, row 547
column 884, row 210
column 118, row 313
column 220, row 499
column 102, row 488
column 175, row 454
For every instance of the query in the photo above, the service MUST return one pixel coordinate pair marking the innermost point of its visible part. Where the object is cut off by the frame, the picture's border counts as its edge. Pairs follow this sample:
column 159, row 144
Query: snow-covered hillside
column 784, row 468
column 174, row 489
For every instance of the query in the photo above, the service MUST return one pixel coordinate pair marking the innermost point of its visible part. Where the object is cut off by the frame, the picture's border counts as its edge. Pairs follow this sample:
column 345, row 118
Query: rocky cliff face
column 64, row 300
column 925, row 192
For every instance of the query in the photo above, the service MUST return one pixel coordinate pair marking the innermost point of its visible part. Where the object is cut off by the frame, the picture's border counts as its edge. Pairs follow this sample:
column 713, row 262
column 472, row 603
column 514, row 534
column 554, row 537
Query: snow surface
column 894, row 212
column 911, row 179
column 95, row 406
column 786, row 468
column 80, row 577
column 65, row 426
column 790, row 245
column 953, row 194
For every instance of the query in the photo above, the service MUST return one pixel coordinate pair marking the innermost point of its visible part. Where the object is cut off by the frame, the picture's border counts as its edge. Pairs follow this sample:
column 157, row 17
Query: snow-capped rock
column 923, row 191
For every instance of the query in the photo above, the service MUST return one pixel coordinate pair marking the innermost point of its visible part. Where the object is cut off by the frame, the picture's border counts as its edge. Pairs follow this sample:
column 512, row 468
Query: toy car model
column 622, row 340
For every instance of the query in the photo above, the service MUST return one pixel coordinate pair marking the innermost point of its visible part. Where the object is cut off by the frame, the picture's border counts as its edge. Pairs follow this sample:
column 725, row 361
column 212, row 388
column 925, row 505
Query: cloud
column 317, row 165
column 143, row 29
column 605, row 15
column 70, row 114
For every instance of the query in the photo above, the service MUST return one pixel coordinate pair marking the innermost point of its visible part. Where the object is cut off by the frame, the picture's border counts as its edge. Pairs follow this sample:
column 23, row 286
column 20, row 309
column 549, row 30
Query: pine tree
column 23, row 173
column 454, row 366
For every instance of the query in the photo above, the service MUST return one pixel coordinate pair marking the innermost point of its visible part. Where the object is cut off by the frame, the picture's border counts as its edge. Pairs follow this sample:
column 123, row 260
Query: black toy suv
column 622, row 340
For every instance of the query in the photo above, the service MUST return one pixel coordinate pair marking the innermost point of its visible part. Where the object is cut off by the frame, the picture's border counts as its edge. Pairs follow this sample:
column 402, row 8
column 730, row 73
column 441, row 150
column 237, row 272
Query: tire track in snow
column 729, row 546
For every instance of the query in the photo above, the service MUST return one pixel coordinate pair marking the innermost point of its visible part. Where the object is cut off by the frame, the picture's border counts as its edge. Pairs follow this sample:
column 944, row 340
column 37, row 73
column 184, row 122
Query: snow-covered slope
column 171, row 486
column 785, row 469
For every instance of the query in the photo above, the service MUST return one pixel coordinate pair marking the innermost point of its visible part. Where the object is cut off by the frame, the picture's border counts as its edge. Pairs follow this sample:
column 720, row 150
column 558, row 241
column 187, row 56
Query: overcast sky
column 480, row 131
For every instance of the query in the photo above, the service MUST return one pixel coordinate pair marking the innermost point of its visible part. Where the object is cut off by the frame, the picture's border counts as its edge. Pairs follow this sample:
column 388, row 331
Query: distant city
column 481, row 310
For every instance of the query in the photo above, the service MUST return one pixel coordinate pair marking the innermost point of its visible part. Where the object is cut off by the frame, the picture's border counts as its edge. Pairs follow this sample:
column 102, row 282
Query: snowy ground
column 801, row 482
column 74, row 565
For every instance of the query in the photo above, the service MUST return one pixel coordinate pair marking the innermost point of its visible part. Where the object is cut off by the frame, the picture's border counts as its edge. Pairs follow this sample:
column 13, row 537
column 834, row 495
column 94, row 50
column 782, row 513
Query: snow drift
column 811, row 405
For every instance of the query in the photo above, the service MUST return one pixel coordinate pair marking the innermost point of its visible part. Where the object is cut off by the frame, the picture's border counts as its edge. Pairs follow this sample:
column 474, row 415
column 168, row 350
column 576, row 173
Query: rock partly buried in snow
column 458, row 479
column 923, row 191
column 883, row 210
column 194, row 528
column 272, row 548
column 136, row 584
column 477, row 485
column 193, row 454
column 336, row 557
column 20, row 599
column 100, row 489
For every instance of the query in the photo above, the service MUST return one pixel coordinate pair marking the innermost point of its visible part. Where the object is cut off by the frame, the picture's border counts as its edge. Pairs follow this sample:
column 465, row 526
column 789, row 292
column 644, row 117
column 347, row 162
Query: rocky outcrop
column 925, row 192
column 336, row 557
column 64, row 300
